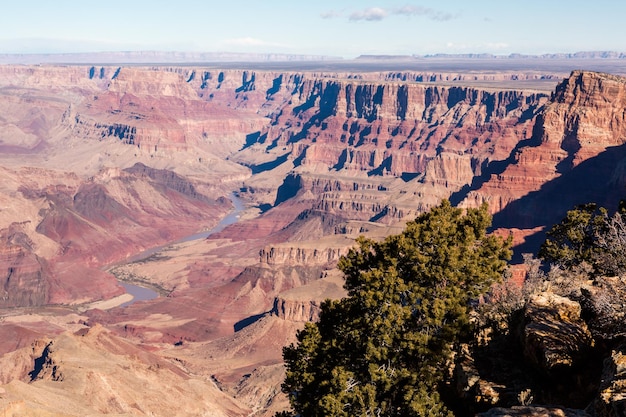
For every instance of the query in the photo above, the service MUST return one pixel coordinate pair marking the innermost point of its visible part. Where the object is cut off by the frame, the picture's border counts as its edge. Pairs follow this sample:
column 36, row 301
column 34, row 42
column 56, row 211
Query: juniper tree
column 588, row 234
column 571, row 241
column 383, row 350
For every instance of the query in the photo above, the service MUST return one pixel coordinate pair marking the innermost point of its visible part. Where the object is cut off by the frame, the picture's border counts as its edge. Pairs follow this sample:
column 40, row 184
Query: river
column 140, row 293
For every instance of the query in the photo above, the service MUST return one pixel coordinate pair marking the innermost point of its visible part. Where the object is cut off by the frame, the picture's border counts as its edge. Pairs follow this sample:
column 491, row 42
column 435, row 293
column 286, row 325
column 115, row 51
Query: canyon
column 99, row 163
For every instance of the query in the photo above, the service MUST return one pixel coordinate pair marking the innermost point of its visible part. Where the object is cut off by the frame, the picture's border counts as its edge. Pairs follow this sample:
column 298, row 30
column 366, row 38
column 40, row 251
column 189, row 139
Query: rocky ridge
column 88, row 373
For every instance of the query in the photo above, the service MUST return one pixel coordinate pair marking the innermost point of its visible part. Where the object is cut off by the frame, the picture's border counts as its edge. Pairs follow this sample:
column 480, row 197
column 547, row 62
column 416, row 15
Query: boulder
column 554, row 334
column 611, row 398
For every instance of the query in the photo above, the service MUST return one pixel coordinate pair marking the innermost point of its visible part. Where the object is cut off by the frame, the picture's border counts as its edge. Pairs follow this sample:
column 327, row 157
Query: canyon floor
column 100, row 163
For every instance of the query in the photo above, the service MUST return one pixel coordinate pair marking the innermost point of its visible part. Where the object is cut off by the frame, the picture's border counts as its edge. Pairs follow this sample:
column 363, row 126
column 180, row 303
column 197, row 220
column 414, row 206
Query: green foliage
column 571, row 242
column 384, row 349
column 588, row 235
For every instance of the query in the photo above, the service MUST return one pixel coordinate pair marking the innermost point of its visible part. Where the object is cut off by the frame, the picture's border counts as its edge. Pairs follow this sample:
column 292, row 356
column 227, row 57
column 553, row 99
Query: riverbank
column 145, row 293
column 110, row 303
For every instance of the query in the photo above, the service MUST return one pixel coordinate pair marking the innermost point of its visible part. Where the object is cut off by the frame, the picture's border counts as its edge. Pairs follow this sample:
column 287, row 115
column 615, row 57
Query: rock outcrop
column 90, row 372
column 286, row 254
column 575, row 155
column 611, row 399
column 296, row 311
column 556, row 350
column 555, row 336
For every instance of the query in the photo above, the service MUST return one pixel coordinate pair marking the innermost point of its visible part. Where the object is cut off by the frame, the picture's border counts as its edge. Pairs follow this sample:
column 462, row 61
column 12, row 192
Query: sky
column 342, row 28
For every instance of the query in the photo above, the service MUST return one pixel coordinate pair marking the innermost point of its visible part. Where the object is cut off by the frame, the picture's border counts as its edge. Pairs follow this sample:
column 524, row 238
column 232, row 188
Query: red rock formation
column 157, row 109
column 377, row 146
column 296, row 311
column 586, row 115
column 92, row 224
column 369, row 133
column 575, row 156
column 22, row 283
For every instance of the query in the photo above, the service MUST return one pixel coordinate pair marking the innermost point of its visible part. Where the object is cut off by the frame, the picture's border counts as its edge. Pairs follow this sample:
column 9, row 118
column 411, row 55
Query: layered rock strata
column 575, row 156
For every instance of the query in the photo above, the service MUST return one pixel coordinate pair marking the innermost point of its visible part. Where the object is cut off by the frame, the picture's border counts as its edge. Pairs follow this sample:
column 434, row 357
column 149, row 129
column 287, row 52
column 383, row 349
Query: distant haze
column 337, row 28
column 609, row 62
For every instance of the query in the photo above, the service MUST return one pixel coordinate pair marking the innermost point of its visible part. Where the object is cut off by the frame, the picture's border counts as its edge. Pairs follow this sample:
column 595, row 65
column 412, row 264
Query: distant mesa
column 151, row 57
column 388, row 57
column 170, row 57
column 574, row 55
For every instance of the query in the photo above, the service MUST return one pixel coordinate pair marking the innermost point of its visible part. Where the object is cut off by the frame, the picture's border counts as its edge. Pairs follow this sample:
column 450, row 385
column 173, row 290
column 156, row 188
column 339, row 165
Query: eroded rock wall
column 576, row 155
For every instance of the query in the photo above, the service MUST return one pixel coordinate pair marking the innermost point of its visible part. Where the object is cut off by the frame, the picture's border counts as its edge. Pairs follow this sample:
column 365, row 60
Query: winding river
column 140, row 293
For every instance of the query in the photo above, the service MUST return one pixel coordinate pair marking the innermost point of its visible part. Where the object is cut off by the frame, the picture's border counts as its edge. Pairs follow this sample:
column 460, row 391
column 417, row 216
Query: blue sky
column 345, row 28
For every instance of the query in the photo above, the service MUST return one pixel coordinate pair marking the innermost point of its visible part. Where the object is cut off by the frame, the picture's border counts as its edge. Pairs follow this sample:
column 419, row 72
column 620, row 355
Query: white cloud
column 378, row 13
column 331, row 14
column 410, row 10
column 371, row 14
column 413, row 10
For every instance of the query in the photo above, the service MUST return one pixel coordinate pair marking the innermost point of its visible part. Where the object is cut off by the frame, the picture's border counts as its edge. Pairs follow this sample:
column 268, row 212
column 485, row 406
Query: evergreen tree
column 384, row 349
column 571, row 241
column 588, row 234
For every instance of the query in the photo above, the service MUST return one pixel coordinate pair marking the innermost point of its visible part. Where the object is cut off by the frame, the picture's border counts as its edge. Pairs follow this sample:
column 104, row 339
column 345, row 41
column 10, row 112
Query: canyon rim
column 101, row 162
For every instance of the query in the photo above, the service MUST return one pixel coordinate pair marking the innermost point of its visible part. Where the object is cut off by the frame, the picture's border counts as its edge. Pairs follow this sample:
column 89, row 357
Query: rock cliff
column 340, row 137
column 296, row 311
column 395, row 128
column 575, row 155
column 289, row 255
